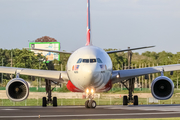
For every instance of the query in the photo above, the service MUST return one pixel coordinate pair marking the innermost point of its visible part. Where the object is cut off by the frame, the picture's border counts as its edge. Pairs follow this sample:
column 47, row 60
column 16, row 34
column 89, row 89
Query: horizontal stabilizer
column 55, row 51
column 108, row 52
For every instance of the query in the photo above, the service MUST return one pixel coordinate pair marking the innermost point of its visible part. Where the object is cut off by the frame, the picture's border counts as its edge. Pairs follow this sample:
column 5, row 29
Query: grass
column 136, row 90
column 38, row 102
column 101, row 101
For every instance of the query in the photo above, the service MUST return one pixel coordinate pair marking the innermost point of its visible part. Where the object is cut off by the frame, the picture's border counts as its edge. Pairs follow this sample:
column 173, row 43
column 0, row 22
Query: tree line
column 22, row 59
column 27, row 59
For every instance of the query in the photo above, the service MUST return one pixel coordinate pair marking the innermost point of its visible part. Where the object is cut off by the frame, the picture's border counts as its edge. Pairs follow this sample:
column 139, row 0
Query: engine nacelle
column 162, row 88
column 17, row 90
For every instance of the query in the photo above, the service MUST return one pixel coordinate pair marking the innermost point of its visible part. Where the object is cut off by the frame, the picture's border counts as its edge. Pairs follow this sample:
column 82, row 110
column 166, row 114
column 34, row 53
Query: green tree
column 117, row 58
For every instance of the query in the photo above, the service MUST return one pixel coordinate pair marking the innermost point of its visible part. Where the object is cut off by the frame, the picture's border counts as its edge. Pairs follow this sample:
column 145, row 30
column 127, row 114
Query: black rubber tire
column 125, row 100
column 135, row 100
column 92, row 104
column 44, row 102
column 86, row 104
column 54, row 101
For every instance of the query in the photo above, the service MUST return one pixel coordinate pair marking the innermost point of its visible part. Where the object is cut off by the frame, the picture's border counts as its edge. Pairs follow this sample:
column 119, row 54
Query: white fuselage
column 89, row 66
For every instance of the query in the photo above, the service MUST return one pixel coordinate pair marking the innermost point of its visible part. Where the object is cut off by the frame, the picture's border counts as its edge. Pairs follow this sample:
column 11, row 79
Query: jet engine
column 162, row 88
column 17, row 90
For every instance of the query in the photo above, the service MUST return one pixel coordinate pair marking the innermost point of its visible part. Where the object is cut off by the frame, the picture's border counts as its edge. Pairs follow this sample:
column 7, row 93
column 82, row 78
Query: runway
column 80, row 112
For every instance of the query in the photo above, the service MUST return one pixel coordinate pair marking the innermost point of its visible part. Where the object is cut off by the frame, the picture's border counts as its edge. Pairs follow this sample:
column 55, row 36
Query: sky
column 115, row 24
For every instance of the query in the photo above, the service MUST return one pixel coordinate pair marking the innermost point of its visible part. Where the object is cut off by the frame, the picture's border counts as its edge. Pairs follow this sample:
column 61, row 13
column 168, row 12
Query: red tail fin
column 88, row 24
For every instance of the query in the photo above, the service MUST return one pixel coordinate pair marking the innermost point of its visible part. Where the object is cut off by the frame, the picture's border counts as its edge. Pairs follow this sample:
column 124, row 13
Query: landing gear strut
column 49, row 99
column 130, row 98
column 90, row 103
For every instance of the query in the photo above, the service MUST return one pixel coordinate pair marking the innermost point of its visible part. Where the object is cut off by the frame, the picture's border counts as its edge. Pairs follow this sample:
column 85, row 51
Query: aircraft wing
column 120, row 75
column 108, row 52
column 55, row 51
column 58, row 76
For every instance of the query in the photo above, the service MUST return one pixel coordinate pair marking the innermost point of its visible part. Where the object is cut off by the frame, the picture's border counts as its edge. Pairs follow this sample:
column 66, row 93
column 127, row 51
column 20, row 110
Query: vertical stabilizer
column 88, row 25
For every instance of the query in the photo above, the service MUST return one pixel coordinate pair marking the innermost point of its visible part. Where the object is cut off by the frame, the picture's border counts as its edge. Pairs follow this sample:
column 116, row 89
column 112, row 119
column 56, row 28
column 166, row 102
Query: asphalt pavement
column 80, row 112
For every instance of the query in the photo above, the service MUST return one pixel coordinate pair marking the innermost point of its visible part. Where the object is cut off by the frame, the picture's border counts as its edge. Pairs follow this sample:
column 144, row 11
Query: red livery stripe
column 88, row 24
column 72, row 88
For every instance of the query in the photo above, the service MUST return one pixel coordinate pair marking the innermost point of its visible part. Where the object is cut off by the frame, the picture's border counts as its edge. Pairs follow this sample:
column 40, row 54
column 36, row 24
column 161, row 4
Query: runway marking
column 39, row 107
column 9, row 109
column 157, row 108
column 86, row 115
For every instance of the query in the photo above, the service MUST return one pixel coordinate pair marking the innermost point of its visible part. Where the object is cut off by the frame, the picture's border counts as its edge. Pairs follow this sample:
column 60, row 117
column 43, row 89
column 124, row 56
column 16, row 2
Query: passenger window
column 92, row 60
column 85, row 60
column 99, row 60
column 79, row 61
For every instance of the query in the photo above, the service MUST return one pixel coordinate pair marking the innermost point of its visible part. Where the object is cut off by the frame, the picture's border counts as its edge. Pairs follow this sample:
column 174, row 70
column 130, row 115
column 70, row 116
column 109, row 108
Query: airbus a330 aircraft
column 90, row 70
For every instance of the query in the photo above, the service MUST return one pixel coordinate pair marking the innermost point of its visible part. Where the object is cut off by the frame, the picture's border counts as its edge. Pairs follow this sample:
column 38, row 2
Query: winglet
column 88, row 25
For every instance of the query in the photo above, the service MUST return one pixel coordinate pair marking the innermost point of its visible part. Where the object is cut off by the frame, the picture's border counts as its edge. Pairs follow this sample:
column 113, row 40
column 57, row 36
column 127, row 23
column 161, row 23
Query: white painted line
column 85, row 115
column 49, row 107
column 9, row 109
column 169, row 108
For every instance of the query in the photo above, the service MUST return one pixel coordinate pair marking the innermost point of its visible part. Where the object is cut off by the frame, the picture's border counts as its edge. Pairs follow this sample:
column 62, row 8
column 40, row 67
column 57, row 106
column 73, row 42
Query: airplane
column 89, row 70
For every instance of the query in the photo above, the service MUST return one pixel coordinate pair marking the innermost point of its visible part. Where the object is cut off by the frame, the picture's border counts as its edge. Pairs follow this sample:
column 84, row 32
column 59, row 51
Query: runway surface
column 80, row 112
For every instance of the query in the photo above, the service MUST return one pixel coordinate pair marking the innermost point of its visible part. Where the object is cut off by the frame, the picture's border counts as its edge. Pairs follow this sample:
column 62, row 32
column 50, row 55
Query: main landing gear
column 130, row 98
column 49, row 99
column 90, row 103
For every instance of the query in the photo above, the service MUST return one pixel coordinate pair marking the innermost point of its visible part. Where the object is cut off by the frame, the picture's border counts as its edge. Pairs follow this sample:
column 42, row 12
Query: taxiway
column 80, row 112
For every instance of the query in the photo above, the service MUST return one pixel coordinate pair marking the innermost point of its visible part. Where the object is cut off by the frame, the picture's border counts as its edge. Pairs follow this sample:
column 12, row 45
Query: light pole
column 177, row 80
column 40, row 60
column 168, row 60
column 2, row 73
column 39, row 78
column 177, row 74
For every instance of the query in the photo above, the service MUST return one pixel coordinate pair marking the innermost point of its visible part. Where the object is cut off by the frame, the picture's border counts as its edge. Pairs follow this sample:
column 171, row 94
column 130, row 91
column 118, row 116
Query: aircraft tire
column 92, row 104
column 135, row 100
column 125, row 100
column 44, row 104
column 54, row 101
column 86, row 104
